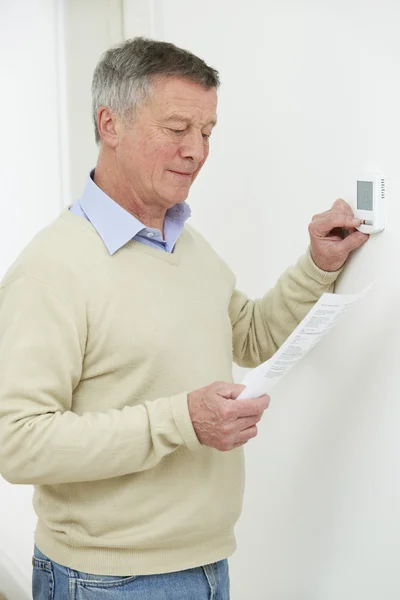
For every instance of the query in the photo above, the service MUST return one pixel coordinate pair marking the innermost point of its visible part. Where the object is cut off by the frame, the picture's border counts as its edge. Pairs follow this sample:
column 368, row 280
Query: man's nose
column 193, row 146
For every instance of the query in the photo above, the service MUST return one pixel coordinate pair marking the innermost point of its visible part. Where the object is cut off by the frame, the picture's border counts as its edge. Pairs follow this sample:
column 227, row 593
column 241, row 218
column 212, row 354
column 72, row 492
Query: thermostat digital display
column 364, row 195
column 371, row 196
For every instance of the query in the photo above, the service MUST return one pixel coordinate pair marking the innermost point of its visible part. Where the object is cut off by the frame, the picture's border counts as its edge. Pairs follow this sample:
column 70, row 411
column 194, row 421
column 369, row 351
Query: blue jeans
column 51, row 581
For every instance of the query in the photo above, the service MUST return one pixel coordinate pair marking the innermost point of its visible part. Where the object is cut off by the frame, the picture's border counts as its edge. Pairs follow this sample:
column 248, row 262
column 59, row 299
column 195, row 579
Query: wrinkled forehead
column 174, row 98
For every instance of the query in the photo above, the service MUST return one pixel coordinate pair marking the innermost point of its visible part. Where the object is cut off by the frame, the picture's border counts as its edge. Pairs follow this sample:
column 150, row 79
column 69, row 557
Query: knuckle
column 216, row 385
column 225, row 445
column 339, row 203
column 316, row 217
column 342, row 206
column 225, row 429
column 226, row 412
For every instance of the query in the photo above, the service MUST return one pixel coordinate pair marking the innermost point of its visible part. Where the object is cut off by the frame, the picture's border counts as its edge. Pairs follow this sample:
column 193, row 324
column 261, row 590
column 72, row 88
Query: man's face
column 161, row 153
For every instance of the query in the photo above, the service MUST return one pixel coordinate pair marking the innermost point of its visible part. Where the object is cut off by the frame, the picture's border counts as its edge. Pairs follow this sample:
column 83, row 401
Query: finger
column 320, row 215
column 324, row 226
column 246, row 422
column 230, row 391
column 342, row 206
column 354, row 241
column 237, row 390
column 252, row 408
column 339, row 206
column 246, row 435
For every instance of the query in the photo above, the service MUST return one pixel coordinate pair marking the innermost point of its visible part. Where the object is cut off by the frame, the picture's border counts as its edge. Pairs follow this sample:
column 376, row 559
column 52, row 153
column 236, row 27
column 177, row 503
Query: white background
column 309, row 98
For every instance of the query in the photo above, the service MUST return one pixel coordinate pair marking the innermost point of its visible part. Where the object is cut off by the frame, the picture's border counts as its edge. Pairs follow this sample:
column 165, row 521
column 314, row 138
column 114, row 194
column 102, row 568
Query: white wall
column 30, row 156
column 309, row 97
column 31, row 192
column 91, row 26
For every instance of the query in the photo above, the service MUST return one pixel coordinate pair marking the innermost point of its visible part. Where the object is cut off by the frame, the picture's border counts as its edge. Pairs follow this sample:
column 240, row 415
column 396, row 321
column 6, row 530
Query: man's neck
column 151, row 216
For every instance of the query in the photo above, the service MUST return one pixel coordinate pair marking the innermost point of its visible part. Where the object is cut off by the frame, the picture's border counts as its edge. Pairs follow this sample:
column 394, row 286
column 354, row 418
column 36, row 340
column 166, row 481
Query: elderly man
column 118, row 326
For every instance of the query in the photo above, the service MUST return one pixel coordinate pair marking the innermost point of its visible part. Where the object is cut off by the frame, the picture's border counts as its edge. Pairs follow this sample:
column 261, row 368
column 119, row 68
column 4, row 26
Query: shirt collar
column 115, row 225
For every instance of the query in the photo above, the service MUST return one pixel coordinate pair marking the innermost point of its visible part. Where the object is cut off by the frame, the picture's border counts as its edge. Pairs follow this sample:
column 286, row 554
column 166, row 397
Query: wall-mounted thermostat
column 371, row 196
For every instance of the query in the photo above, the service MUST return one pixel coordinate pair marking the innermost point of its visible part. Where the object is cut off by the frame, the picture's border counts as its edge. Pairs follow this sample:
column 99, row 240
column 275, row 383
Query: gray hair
column 122, row 78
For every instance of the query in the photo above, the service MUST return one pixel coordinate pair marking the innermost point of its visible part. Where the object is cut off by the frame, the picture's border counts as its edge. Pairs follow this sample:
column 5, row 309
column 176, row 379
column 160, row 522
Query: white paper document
column 321, row 318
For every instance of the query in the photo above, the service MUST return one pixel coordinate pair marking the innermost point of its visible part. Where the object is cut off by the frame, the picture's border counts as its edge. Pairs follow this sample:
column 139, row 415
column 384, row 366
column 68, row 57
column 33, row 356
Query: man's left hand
column 333, row 236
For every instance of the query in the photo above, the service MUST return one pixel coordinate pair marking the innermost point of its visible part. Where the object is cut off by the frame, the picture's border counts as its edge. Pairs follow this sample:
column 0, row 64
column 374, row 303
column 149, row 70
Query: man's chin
column 177, row 197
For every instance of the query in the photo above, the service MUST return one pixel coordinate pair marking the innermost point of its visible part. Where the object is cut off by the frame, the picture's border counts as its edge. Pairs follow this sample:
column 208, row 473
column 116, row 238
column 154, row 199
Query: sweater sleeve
column 259, row 327
column 42, row 441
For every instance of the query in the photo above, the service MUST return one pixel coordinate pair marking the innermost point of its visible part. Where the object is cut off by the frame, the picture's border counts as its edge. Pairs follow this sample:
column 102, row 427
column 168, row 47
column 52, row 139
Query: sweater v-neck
column 170, row 257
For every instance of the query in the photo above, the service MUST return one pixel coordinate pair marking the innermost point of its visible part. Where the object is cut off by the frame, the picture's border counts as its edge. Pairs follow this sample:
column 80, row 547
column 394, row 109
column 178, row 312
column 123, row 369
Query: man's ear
column 108, row 125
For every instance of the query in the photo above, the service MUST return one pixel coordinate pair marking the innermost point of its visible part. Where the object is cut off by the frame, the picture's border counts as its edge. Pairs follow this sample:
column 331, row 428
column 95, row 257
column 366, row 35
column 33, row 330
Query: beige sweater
column 97, row 355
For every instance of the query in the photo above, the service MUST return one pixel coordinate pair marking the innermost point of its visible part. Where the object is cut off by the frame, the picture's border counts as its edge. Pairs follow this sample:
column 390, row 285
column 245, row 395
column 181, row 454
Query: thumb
column 354, row 240
column 231, row 391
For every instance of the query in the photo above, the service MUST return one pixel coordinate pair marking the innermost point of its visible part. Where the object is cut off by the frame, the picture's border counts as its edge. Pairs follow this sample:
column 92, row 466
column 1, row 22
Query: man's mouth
column 182, row 173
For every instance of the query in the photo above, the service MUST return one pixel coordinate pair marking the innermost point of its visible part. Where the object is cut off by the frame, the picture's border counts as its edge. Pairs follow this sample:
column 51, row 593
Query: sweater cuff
column 309, row 267
column 180, row 412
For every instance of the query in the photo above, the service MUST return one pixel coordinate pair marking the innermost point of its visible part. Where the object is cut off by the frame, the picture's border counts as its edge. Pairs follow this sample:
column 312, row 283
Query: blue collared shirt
column 116, row 226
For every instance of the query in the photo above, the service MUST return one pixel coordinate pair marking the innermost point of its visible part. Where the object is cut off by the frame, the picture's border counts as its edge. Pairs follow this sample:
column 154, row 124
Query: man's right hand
column 219, row 420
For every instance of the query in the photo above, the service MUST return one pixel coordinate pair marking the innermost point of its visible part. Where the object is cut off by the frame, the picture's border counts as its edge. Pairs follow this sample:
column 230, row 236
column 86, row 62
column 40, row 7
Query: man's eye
column 206, row 136
column 177, row 131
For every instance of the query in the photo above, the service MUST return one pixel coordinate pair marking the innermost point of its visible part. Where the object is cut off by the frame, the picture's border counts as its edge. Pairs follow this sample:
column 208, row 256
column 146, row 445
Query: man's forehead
column 183, row 116
column 176, row 98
